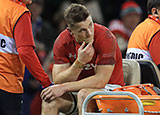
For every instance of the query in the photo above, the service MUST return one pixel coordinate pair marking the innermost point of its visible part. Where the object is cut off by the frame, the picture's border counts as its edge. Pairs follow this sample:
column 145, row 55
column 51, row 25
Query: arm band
column 79, row 64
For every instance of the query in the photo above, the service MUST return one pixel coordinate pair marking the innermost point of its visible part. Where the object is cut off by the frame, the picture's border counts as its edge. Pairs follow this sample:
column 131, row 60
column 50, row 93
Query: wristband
column 79, row 64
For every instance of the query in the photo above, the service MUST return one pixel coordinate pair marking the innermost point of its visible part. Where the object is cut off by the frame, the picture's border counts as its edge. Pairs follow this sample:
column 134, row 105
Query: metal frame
column 135, row 97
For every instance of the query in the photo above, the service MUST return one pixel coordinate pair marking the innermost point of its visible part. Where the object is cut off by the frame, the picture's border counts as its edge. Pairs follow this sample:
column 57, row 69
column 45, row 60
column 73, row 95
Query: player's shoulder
column 102, row 31
column 100, row 28
column 63, row 38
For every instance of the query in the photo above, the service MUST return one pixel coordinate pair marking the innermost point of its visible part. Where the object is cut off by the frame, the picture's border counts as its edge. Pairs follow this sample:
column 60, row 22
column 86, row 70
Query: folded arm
column 99, row 80
column 65, row 73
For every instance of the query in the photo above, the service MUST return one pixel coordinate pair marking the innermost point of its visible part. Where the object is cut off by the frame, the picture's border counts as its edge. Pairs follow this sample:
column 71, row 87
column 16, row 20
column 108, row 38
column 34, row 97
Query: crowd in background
column 48, row 22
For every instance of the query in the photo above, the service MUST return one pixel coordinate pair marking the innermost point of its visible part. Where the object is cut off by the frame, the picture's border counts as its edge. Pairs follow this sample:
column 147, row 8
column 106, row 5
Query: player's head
column 153, row 6
column 75, row 13
column 80, row 23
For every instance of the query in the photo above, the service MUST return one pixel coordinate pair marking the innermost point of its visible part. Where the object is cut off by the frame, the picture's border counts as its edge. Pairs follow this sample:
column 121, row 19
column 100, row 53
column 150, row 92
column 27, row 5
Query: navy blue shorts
column 10, row 103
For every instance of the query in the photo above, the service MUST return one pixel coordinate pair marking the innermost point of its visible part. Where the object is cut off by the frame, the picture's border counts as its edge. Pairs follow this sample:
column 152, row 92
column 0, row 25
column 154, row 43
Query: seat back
column 149, row 72
column 131, row 72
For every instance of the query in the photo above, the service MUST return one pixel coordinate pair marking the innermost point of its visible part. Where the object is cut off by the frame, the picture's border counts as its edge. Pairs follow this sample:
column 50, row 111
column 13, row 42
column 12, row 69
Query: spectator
column 86, row 55
column 130, row 16
column 144, row 42
column 43, row 32
column 50, row 8
column 16, row 52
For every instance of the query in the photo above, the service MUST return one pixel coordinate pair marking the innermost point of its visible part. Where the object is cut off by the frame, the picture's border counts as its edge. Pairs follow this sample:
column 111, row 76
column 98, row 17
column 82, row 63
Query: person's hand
column 85, row 54
column 52, row 92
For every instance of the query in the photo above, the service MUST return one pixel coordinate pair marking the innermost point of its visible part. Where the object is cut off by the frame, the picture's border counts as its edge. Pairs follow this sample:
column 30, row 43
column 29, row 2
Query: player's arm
column 25, row 47
column 99, row 80
column 65, row 72
column 104, row 68
column 102, row 75
column 62, row 73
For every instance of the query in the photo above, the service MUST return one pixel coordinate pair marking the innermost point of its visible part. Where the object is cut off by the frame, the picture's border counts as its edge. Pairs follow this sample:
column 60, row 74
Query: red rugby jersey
column 106, row 48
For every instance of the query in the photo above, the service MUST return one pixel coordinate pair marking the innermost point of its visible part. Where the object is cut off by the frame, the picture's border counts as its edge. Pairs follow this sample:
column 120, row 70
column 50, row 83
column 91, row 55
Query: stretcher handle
column 135, row 97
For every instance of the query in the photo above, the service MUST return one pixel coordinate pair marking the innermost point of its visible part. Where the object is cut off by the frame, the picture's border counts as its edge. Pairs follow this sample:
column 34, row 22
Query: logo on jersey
column 89, row 66
column 72, row 56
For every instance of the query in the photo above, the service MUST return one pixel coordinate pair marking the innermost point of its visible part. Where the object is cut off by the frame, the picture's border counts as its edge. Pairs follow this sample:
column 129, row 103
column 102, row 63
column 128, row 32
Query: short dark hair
column 152, row 4
column 75, row 13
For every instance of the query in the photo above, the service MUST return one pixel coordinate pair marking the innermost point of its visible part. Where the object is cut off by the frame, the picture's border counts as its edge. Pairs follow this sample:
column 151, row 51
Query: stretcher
column 129, row 100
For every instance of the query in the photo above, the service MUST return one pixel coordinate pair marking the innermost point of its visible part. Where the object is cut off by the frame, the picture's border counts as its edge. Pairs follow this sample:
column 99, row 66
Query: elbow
column 101, row 85
column 56, row 82
column 22, row 54
column 101, row 82
column 25, row 51
column 55, row 78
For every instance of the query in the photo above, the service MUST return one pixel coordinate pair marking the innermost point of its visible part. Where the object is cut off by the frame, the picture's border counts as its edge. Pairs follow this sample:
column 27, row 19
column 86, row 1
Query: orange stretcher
column 128, row 100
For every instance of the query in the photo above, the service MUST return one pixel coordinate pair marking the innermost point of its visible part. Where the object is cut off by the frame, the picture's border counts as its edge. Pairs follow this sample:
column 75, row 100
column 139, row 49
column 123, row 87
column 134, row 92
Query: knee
column 82, row 94
column 47, row 106
column 53, row 105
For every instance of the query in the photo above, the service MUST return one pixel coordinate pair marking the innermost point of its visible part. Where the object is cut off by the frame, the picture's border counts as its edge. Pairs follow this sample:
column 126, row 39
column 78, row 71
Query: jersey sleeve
column 154, row 48
column 25, row 44
column 106, row 48
column 30, row 59
column 23, row 31
column 60, row 52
